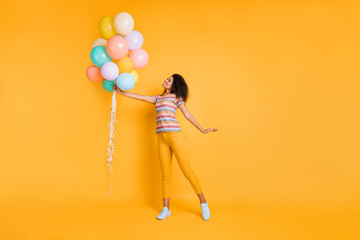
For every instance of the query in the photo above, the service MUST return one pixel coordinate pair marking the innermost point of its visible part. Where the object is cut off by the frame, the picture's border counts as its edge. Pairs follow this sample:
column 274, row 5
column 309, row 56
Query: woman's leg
column 180, row 149
column 165, row 155
column 202, row 198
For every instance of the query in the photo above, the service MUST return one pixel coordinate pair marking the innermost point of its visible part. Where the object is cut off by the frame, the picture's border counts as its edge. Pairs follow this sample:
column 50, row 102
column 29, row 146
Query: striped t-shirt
column 165, row 112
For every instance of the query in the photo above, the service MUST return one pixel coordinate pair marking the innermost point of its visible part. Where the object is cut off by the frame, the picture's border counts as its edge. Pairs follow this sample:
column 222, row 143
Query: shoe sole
column 207, row 218
column 164, row 217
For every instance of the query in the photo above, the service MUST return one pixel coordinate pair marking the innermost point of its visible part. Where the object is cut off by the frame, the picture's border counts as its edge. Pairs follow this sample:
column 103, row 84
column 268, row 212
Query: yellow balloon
column 106, row 27
column 136, row 75
column 125, row 64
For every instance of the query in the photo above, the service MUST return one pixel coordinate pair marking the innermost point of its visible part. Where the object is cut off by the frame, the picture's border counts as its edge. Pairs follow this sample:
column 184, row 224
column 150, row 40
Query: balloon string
column 111, row 173
column 111, row 143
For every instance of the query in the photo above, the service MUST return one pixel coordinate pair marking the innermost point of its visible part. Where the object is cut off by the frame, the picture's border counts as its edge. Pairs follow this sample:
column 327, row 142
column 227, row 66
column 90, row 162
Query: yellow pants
column 169, row 143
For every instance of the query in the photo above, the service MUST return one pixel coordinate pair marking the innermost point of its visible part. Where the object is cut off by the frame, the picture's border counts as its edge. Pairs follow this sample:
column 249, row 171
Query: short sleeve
column 179, row 102
column 155, row 99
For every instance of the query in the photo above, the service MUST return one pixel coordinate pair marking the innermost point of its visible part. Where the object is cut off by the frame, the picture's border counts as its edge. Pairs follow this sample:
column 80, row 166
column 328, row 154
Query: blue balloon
column 99, row 56
column 125, row 81
column 108, row 85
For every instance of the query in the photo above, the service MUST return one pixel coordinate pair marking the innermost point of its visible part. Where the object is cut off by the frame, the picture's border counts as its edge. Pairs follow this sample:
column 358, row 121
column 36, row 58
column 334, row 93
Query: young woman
column 170, row 137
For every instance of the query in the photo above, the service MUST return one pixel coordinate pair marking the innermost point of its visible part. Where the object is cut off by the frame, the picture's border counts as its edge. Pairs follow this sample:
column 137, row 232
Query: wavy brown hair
column 179, row 87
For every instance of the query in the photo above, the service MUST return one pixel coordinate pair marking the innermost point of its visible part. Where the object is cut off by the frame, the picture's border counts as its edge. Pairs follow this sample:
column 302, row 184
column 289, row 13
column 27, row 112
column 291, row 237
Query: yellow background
column 279, row 79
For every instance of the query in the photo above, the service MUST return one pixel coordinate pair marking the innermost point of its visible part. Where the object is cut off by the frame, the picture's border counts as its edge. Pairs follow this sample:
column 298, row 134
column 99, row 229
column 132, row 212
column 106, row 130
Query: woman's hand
column 117, row 89
column 209, row 130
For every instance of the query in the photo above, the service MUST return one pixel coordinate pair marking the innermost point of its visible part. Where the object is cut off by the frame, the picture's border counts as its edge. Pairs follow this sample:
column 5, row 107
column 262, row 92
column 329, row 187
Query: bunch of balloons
column 117, row 54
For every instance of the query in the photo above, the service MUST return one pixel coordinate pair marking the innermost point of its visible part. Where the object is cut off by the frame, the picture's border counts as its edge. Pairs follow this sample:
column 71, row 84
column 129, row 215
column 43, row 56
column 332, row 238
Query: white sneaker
column 205, row 210
column 165, row 212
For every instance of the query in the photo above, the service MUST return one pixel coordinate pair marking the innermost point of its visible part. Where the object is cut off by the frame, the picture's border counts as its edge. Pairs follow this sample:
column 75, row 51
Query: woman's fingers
column 210, row 130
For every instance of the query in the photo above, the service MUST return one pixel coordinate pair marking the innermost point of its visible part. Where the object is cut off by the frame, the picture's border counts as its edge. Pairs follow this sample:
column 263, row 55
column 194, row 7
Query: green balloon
column 99, row 56
column 108, row 85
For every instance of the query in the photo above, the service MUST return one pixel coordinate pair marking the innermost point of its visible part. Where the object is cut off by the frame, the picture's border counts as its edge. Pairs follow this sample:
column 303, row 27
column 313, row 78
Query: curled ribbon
column 111, row 150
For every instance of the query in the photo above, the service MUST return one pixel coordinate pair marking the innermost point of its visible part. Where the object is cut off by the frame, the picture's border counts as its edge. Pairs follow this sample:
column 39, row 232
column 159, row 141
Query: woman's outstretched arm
column 191, row 119
column 133, row 95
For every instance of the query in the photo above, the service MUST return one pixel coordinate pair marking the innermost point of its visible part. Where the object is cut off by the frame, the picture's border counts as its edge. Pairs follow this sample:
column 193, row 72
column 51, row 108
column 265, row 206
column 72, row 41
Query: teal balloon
column 108, row 85
column 125, row 81
column 99, row 56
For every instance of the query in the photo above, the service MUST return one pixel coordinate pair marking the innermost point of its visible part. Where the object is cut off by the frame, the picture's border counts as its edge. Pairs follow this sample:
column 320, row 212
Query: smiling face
column 168, row 83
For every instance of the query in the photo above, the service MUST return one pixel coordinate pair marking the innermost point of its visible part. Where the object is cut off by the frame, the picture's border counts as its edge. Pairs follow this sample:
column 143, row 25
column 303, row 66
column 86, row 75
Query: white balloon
column 123, row 23
column 99, row 42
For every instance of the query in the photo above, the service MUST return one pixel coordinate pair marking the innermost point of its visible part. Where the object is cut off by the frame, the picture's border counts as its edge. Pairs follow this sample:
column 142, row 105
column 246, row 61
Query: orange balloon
column 117, row 47
column 125, row 64
column 93, row 73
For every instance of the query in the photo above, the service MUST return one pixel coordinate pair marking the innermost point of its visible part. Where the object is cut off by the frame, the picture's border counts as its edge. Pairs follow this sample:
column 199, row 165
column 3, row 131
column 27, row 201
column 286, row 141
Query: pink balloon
column 117, row 47
column 93, row 73
column 139, row 57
